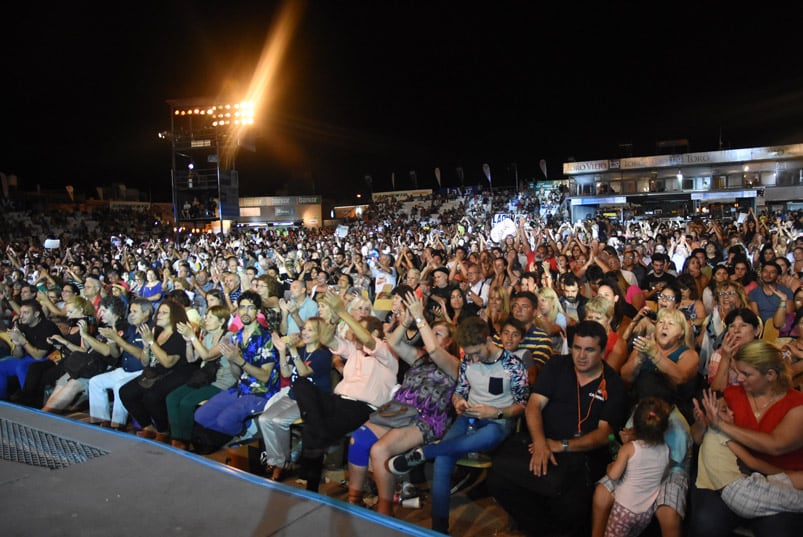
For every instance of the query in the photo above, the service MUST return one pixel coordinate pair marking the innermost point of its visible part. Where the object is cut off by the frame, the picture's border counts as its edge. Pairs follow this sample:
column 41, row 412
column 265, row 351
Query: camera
column 651, row 315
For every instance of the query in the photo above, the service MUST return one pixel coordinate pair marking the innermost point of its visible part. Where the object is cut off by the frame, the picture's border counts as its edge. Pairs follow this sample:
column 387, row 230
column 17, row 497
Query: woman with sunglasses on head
column 719, row 274
column 644, row 322
column 730, row 296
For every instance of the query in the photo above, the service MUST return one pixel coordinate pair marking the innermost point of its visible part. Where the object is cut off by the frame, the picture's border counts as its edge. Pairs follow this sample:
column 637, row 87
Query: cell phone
column 651, row 315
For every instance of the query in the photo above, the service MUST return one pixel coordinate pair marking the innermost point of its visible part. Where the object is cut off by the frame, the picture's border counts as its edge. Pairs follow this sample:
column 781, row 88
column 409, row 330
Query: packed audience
column 618, row 375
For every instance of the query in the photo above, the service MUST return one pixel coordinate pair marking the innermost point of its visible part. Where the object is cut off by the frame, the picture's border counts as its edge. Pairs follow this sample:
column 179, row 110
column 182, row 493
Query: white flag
column 487, row 171
column 438, row 176
column 542, row 165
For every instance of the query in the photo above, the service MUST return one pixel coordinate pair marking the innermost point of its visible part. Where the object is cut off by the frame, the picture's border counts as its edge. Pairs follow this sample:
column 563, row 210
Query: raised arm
column 362, row 334
column 442, row 358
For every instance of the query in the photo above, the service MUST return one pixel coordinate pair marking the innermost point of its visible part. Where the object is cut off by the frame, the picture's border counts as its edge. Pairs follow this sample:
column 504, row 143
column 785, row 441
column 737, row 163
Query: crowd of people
column 425, row 335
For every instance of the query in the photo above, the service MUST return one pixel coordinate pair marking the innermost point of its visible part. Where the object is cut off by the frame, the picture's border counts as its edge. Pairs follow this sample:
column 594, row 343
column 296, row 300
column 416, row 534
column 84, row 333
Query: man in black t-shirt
column 544, row 477
column 31, row 342
column 658, row 277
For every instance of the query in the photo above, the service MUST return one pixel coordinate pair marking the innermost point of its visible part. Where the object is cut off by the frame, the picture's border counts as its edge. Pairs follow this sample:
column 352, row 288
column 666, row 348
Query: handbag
column 83, row 364
column 204, row 375
column 394, row 415
column 149, row 377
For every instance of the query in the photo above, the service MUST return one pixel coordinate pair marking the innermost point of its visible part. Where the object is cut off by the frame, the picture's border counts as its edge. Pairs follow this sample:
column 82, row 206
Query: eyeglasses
column 727, row 293
column 670, row 298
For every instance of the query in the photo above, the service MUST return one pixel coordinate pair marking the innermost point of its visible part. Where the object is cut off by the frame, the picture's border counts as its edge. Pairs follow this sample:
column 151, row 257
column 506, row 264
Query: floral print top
column 257, row 351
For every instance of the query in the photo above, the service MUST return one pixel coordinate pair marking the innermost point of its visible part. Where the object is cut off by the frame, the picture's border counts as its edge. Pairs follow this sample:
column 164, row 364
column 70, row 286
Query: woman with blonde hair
column 95, row 355
column 301, row 356
column 764, row 414
column 498, row 309
column 600, row 309
column 551, row 319
column 360, row 308
column 665, row 352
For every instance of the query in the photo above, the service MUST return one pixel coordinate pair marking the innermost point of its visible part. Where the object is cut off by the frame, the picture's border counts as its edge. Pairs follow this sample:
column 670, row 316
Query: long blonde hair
column 548, row 293
column 764, row 356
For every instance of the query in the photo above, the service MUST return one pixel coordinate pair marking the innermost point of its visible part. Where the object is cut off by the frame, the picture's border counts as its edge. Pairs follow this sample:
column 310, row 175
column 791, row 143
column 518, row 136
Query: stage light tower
column 207, row 131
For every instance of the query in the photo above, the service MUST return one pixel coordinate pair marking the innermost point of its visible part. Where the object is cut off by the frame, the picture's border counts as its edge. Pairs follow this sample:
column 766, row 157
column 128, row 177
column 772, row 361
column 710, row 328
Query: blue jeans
column 229, row 413
column 454, row 446
column 11, row 366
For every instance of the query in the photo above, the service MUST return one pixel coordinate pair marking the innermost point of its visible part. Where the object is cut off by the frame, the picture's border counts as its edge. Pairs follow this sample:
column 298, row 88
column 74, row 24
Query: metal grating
column 20, row 443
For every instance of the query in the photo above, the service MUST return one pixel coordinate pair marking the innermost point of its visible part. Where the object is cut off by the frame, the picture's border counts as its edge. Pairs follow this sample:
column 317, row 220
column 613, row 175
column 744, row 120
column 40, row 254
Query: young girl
column 637, row 471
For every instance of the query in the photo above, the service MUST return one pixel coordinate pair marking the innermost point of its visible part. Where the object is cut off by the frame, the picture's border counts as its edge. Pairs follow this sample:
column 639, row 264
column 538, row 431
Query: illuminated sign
column 707, row 196
column 782, row 152
column 614, row 200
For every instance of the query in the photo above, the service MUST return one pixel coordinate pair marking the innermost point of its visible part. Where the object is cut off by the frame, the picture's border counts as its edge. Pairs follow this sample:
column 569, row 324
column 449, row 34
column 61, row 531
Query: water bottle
column 613, row 446
column 472, row 426
column 471, row 429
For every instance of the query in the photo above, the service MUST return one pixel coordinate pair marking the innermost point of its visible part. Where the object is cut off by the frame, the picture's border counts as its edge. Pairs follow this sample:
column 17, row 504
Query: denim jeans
column 11, row 366
column 454, row 446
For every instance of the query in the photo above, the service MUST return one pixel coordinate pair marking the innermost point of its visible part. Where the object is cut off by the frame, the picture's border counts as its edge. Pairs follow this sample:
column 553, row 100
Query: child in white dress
column 638, row 470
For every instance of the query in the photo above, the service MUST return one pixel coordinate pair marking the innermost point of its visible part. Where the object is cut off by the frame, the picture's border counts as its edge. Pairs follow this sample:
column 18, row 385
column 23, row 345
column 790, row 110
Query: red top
column 613, row 337
column 743, row 417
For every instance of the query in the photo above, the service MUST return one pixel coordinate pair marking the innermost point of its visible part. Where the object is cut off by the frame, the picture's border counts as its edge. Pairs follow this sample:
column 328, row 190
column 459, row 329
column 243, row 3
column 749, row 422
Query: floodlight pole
column 173, row 175
column 219, row 193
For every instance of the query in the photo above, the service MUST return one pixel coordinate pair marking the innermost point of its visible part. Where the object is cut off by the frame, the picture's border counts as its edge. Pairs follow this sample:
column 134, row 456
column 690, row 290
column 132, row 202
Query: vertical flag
column 438, row 176
column 542, row 165
column 393, row 180
column 414, row 179
column 487, row 171
column 460, row 175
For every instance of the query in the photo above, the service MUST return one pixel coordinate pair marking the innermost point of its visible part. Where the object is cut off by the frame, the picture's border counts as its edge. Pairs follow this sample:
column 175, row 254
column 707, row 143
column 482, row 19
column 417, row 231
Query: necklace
column 758, row 410
column 601, row 388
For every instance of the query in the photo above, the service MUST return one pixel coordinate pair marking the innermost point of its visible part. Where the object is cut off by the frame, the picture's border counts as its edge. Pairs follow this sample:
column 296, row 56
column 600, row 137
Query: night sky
column 371, row 88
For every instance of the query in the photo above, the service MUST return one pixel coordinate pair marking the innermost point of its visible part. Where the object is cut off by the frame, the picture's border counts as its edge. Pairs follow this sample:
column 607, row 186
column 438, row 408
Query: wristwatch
column 565, row 444
column 500, row 414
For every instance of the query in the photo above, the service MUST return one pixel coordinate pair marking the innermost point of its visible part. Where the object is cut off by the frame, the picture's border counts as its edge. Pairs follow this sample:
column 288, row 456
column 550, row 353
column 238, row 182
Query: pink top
column 369, row 375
